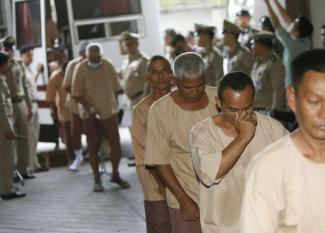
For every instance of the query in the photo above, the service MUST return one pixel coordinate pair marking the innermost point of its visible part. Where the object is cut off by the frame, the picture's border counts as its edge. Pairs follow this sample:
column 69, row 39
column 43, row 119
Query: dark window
column 28, row 23
column 91, row 31
column 118, row 27
column 85, row 9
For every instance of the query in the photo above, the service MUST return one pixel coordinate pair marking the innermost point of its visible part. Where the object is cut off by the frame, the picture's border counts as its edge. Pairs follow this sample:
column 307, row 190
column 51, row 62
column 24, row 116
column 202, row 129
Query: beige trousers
column 6, row 164
column 33, row 137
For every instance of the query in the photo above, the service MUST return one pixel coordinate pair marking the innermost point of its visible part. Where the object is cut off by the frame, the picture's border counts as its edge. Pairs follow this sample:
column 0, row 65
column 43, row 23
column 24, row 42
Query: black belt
column 136, row 95
column 34, row 101
column 17, row 100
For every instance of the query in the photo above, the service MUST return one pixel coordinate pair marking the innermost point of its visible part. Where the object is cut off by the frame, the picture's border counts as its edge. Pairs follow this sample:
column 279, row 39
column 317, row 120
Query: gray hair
column 94, row 44
column 188, row 66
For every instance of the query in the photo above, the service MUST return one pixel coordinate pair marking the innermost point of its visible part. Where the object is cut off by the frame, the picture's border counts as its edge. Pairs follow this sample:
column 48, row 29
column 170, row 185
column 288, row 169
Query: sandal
column 98, row 187
column 122, row 183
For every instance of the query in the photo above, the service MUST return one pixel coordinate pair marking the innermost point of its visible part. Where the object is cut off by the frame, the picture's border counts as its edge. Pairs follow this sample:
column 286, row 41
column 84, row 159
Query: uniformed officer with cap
column 134, row 69
column 212, row 59
column 7, row 135
column 268, row 74
column 238, row 57
column 243, row 19
column 22, row 105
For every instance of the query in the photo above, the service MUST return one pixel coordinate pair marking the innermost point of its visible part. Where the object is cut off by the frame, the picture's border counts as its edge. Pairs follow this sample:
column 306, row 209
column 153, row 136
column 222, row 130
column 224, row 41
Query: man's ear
column 146, row 77
column 173, row 80
column 218, row 103
column 291, row 98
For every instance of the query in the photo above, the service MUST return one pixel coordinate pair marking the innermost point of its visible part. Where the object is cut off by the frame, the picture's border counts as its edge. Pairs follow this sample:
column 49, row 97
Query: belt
column 34, row 101
column 136, row 95
column 17, row 100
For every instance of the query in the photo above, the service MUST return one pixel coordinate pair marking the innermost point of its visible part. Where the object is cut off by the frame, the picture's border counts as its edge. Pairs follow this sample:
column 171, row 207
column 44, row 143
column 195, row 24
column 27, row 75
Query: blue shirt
column 292, row 48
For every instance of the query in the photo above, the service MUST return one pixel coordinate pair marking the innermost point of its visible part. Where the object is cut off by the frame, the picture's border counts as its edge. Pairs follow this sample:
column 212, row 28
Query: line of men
column 19, row 114
column 194, row 145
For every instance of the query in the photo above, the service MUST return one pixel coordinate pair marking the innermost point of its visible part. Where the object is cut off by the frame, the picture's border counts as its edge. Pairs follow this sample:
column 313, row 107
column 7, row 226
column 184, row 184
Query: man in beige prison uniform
column 26, row 53
column 220, row 198
column 7, row 135
column 237, row 58
column 72, row 105
column 156, row 209
column 22, row 106
column 167, row 144
column 285, row 189
column 95, row 85
column 56, row 96
column 267, row 74
column 212, row 59
column 134, row 69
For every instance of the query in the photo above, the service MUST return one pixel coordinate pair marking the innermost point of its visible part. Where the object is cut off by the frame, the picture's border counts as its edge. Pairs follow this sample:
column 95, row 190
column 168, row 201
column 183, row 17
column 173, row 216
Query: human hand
column 189, row 209
column 246, row 124
column 10, row 135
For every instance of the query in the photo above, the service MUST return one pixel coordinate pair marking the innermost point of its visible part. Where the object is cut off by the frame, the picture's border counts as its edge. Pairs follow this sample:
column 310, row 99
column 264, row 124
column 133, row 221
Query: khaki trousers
column 6, row 164
column 21, row 129
column 33, row 137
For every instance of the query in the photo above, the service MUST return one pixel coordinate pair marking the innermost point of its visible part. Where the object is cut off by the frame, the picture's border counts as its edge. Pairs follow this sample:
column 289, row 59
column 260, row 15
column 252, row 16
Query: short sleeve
column 157, row 146
column 77, row 82
column 263, row 199
column 206, row 155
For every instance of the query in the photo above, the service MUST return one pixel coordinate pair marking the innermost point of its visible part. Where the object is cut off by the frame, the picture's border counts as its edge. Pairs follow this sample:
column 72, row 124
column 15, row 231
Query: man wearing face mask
column 295, row 40
column 212, row 59
column 222, row 146
column 95, row 85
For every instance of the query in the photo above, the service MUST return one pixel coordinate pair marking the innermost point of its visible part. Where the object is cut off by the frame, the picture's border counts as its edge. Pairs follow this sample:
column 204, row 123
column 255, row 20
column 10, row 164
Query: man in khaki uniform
column 7, row 135
column 238, row 58
column 268, row 75
column 22, row 106
column 76, row 122
column 95, row 85
column 212, row 59
column 156, row 209
column 167, row 143
column 243, row 20
column 134, row 69
column 56, row 96
column 222, row 146
column 26, row 53
column 285, row 189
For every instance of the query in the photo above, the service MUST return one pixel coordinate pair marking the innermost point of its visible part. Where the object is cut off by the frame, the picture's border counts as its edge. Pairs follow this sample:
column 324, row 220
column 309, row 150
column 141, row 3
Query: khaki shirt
column 246, row 36
column 168, row 141
column 220, row 200
column 6, row 109
column 98, row 86
column 56, row 92
column 284, row 192
column 268, row 75
column 17, row 82
column 240, row 60
column 67, row 83
column 213, row 67
column 133, row 71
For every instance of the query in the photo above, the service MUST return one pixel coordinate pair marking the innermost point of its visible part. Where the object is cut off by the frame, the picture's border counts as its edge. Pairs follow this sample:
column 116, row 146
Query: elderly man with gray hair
column 167, row 147
column 95, row 85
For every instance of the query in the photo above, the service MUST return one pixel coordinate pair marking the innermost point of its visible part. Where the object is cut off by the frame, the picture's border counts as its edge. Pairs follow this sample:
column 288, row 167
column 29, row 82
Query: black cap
column 4, row 58
column 243, row 13
column 8, row 41
column 25, row 48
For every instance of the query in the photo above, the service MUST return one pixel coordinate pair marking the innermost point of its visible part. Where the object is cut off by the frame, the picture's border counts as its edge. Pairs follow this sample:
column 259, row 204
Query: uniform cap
column 231, row 27
column 25, row 48
column 128, row 37
column 8, row 41
column 203, row 27
column 263, row 35
column 243, row 13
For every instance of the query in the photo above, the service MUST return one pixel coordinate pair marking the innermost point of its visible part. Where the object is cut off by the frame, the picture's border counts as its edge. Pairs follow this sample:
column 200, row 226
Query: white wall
column 318, row 19
column 182, row 20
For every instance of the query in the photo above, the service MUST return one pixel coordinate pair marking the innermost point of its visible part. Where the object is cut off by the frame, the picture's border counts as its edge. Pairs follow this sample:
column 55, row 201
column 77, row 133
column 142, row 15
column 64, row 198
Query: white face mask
column 95, row 65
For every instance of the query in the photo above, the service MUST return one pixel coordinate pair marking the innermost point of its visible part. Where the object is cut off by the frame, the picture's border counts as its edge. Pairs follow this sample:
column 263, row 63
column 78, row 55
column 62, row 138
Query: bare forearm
column 284, row 14
column 230, row 156
column 274, row 19
column 169, row 179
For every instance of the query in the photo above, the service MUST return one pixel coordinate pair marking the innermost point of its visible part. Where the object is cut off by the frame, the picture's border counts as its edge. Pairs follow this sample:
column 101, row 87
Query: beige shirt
column 138, row 135
column 220, row 200
column 240, row 60
column 268, row 76
column 67, row 83
column 56, row 92
column 98, row 86
column 284, row 192
column 168, row 141
column 6, row 109
column 133, row 71
column 213, row 67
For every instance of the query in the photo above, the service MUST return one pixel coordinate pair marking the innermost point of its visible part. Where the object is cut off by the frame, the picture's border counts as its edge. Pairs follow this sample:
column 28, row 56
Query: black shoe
column 28, row 176
column 12, row 195
column 131, row 162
